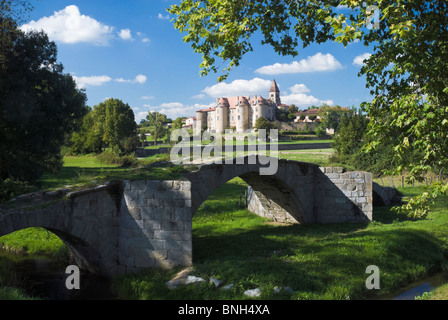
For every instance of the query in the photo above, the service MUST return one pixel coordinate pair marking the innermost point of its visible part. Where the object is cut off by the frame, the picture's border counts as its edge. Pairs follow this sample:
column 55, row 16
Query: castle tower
column 242, row 123
column 222, row 115
column 201, row 122
column 274, row 93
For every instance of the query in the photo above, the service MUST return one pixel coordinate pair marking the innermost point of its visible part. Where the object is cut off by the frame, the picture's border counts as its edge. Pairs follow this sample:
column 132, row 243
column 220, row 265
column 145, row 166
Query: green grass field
column 240, row 248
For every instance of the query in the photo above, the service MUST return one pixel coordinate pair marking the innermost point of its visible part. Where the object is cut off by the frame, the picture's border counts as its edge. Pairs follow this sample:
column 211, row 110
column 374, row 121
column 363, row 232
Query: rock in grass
column 193, row 280
column 228, row 287
column 254, row 293
column 216, row 282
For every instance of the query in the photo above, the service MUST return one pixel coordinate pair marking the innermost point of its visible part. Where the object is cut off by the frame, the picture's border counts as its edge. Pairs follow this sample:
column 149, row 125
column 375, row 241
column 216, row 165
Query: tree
column 351, row 135
column 263, row 123
column 157, row 120
column 39, row 104
column 178, row 123
column 109, row 124
column 331, row 116
column 406, row 72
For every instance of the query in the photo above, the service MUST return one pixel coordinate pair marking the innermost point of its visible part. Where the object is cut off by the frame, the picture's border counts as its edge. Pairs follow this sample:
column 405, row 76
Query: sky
column 130, row 50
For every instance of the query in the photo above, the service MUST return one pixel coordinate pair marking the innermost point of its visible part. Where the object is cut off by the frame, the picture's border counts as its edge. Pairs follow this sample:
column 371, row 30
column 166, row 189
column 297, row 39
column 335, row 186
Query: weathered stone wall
column 85, row 220
column 343, row 196
column 155, row 225
column 264, row 207
column 337, row 196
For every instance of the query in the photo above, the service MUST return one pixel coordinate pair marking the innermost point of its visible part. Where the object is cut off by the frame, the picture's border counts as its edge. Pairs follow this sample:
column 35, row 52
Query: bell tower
column 274, row 93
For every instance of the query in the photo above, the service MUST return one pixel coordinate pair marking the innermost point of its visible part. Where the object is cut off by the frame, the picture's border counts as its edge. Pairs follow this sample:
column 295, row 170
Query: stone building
column 239, row 113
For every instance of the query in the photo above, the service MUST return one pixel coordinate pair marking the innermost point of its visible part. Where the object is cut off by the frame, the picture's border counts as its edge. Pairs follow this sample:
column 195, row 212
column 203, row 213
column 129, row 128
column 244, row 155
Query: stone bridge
column 126, row 226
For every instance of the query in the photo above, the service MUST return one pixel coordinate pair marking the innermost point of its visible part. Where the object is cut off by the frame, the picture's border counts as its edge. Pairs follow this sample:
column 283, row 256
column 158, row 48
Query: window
column 239, row 117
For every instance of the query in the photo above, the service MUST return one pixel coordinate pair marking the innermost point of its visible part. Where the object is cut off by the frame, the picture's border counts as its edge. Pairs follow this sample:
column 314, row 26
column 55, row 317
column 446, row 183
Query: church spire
column 274, row 93
column 274, row 87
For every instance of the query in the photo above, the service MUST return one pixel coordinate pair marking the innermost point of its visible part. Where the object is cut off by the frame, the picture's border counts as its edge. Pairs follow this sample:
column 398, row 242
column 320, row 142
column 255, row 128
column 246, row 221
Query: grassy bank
column 315, row 261
column 240, row 248
column 79, row 171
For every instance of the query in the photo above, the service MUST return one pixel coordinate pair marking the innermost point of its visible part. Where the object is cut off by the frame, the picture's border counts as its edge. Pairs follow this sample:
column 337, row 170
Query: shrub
column 10, row 189
column 110, row 157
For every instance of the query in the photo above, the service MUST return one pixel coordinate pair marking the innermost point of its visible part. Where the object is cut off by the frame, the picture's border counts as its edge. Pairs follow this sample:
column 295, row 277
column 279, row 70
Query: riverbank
column 314, row 261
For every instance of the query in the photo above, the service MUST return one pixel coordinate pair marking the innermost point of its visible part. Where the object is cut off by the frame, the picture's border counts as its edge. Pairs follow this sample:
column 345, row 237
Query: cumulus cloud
column 125, row 34
column 239, row 87
column 89, row 81
column 84, row 82
column 317, row 63
column 70, row 26
column 303, row 100
column 359, row 60
column 172, row 110
column 163, row 17
column 141, row 79
column 300, row 98
column 299, row 88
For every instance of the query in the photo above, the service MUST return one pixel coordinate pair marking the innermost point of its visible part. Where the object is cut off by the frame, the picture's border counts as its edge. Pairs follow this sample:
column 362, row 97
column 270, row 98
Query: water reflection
column 45, row 279
column 419, row 288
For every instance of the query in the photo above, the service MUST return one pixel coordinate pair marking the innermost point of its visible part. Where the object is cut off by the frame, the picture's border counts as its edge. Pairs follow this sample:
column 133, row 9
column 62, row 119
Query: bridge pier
column 155, row 225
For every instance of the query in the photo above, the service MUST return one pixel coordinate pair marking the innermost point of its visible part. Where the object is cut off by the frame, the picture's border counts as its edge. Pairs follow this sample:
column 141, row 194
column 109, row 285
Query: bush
column 130, row 144
column 9, row 189
column 110, row 157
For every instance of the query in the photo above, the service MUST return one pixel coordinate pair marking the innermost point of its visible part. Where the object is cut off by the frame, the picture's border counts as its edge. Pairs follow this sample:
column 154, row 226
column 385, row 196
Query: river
column 45, row 279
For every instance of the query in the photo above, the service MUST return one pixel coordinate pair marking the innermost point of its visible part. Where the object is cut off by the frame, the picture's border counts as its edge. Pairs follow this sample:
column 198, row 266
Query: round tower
column 222, row 115
column 242, row 123
column 201, row 122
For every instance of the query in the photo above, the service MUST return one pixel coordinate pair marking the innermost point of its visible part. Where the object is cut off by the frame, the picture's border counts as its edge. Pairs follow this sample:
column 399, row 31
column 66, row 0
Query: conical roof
column 274, row 87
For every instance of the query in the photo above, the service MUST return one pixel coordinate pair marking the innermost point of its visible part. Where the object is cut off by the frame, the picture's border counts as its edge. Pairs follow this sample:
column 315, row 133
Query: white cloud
column 359, row 60
column 83, row 82
column 199, row 96
column 70, row 26
column 300, row 98
column 317, row 63
column 140, row 115
column 299, row 88
column 238, row 88
column 143, row 37
column 163, row 17
column 148, row 97
column 172, row 110
column 125, row 34
column 138, row 79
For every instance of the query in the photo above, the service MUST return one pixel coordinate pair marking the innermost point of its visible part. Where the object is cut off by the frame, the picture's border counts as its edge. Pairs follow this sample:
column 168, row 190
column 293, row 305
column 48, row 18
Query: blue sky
column 130, row 50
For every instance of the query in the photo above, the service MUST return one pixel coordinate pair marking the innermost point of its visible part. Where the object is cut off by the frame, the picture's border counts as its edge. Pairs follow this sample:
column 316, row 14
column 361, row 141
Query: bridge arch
column 290, row 187
column 76, row 218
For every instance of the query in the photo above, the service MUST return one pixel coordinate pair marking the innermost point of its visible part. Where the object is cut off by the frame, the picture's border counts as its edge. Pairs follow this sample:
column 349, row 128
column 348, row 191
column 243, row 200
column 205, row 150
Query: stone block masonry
column 155, row 225
column 344, row 196
column 337, row 197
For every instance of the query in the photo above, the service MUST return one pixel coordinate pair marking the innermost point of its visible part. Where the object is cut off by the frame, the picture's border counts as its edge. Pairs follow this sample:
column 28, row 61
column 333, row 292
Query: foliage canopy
column 406, row 73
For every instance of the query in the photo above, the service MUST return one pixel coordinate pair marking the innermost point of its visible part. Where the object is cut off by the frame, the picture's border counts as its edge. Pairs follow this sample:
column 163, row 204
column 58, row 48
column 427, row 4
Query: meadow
column 231, row 244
